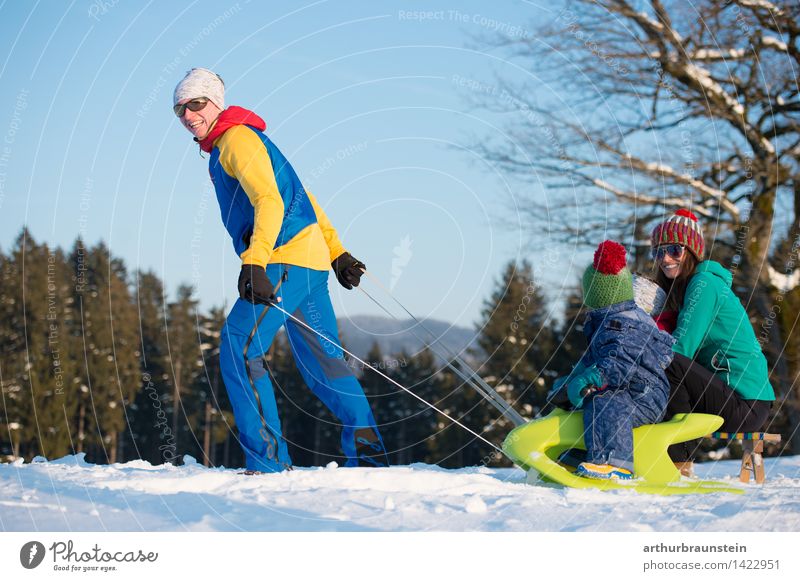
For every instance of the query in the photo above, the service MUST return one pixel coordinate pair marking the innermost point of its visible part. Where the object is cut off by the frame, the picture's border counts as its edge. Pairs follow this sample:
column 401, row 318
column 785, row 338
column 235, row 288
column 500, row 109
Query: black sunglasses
column 673, row 250
column 193, row 105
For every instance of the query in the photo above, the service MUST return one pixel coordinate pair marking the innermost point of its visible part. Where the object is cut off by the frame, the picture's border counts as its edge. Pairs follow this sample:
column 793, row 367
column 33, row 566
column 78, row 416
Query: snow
column 70, row 494
column 775, row 43
column 784, row 282
column 704, row 78
column 761, row 4
column 718, row 54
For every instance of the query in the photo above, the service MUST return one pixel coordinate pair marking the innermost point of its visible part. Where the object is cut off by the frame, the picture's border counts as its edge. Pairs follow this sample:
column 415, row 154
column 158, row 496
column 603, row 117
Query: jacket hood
column 715, row 268
column 603, row 312
column 229, row 118
column 595, row 317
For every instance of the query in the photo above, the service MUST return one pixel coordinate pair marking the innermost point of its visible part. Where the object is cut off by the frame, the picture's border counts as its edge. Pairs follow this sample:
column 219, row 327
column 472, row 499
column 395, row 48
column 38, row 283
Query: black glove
column 348, row 270
column 254, row 286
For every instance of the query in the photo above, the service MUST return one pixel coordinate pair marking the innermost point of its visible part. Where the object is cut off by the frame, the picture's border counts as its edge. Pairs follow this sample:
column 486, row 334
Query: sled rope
column 430, row 405
column 474, row 380
column 486, row 393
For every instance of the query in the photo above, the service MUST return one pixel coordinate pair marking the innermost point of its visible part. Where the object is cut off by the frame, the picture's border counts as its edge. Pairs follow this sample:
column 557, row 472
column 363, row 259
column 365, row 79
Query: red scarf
column 228, row 118
column 667, row 321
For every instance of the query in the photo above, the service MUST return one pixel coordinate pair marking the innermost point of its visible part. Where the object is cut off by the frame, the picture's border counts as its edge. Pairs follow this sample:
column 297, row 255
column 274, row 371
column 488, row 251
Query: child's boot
column 603, row 471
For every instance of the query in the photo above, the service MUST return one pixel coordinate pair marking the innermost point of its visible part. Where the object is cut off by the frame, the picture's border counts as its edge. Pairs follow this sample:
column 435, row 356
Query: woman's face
column 670, row 260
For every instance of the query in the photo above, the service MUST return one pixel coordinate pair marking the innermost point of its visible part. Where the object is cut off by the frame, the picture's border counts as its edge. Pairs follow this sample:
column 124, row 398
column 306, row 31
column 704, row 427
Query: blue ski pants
column 246, row 337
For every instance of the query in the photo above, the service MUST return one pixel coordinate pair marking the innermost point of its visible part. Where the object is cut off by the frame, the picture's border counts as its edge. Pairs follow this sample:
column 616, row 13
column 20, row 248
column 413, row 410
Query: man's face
column 199, row 122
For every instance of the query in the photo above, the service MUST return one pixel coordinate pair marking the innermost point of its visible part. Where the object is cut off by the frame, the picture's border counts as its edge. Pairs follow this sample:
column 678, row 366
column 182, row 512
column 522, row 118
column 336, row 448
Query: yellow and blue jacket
column 269, row 215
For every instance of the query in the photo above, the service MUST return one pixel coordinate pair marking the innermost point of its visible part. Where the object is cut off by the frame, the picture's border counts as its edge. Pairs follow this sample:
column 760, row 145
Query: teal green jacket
column 714, row 329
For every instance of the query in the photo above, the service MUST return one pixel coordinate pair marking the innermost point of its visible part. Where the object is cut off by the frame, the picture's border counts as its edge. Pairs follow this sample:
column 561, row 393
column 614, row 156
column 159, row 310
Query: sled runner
column 537, row 445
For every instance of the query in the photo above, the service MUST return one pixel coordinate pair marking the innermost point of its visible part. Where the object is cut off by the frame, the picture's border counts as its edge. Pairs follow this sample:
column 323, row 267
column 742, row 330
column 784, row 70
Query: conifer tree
column 36, row 366
column 184, row 366
column 149, row 437
column 516, row 338
column 105, row 323
column 452, row 446
column 217, row 422
column 410, row 424
column 11, row 395
column 571, row 343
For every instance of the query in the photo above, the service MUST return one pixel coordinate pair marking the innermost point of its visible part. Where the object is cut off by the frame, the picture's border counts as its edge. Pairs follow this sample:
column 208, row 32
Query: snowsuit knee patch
column 257, row 367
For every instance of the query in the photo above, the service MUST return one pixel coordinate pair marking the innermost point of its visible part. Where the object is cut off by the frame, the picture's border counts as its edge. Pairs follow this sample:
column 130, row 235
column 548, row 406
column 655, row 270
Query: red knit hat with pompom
column 609, row 258
column 680, row 228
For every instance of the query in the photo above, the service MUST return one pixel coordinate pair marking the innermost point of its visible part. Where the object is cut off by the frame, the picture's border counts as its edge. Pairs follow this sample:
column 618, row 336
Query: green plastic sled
column 536, row 446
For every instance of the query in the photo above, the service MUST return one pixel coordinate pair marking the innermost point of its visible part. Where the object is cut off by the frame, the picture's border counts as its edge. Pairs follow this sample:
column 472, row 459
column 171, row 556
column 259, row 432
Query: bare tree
column 633, row 109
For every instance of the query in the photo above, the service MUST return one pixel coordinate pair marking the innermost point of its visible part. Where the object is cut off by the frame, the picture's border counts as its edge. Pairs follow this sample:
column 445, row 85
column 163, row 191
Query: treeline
column 97, row 359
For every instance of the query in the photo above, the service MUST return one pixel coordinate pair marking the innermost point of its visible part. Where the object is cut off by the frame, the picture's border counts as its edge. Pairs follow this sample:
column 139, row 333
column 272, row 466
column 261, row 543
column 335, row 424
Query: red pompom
column 686, row 214
column 609, row 258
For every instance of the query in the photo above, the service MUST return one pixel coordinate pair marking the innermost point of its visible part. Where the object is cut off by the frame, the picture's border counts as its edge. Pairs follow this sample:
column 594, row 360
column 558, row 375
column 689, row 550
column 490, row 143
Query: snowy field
column 71, row 495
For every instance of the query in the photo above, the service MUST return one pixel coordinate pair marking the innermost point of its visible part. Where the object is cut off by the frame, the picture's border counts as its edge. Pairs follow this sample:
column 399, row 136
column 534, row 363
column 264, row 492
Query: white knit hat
column 200, row 82
column 650, row 297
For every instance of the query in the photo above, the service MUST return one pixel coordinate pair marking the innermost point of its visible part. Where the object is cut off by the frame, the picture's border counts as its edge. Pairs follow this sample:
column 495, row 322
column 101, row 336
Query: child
column 620, row 381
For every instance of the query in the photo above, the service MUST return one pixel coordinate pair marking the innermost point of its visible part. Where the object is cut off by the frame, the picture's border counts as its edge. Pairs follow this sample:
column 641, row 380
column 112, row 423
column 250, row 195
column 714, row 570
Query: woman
column 718, row 366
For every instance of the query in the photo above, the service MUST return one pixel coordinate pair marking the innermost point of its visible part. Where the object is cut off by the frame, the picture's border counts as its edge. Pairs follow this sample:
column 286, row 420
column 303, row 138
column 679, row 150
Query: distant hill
column 360, row 332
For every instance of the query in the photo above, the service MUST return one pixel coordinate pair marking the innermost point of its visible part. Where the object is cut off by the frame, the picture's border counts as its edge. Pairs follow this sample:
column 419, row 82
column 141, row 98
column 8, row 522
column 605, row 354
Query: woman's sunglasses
column 193, row 105
column 673, row 250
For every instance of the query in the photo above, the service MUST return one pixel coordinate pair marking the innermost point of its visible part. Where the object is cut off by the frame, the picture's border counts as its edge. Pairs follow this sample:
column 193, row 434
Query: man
column 287, row 245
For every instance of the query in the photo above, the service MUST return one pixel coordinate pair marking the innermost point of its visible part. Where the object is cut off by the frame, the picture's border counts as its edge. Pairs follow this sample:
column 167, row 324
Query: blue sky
column 369, row 101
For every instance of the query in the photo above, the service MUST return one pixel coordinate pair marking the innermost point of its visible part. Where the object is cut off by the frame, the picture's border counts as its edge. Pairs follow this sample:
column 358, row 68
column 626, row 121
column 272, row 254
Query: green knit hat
column 607, row 281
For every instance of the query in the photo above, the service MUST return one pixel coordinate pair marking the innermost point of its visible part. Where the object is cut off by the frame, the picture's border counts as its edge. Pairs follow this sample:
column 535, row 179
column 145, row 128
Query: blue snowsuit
column 631, row 354
column 304, row 294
